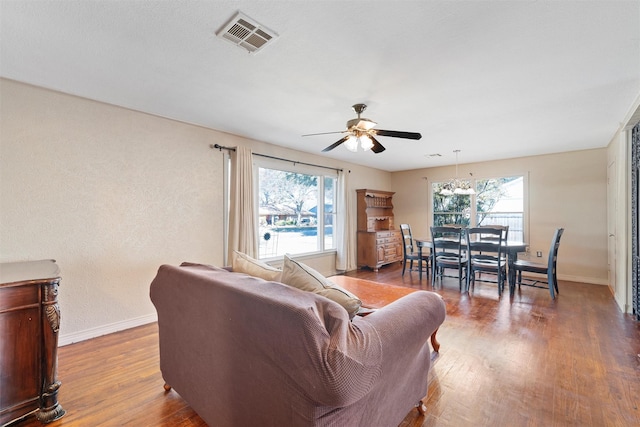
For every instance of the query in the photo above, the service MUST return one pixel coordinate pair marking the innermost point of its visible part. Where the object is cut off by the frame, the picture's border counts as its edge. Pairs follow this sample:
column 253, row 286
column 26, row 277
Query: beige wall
column 112, row 194
column 565, row 190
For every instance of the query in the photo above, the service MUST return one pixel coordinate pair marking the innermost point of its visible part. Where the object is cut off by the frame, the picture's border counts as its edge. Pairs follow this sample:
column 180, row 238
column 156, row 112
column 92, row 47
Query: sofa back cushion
column 243, row 263
column 301, row 276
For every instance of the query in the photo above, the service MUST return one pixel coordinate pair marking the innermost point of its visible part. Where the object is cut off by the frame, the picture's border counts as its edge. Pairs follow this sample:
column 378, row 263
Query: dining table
column 511, row 248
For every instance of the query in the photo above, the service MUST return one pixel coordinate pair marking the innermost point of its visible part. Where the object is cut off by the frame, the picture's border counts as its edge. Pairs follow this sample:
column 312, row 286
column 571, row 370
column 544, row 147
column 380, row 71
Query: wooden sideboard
column 379, row 242
column 29, row 325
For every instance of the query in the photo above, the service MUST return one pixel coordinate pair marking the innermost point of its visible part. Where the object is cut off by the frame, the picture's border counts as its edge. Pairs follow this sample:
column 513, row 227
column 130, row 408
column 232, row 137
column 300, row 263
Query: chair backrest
column 407, row 238
column 447, row 238
column 504, row 228
column 485, row 243
column 553, row 250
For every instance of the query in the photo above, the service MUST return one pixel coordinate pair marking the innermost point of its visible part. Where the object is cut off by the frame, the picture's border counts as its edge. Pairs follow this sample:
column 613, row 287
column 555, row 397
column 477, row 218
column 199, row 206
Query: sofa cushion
column 243, row 263
column 301, row 276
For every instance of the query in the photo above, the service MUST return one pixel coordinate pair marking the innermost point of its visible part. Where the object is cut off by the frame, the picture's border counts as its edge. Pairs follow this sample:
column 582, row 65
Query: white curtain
column 243, row 223
column 345, row 229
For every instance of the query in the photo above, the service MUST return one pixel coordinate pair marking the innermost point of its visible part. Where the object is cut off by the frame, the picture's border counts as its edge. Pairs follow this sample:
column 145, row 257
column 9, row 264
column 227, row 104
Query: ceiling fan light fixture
column 351, row 143
column 361, row 124
column 366, row 124
column 365, row 142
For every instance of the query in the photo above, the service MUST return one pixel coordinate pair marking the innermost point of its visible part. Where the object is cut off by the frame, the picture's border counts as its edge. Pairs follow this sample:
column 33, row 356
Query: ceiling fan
column 361, row 131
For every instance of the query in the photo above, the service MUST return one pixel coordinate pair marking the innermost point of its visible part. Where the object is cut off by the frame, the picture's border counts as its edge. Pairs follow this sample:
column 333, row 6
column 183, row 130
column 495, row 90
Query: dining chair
column 486, row 255
column 409, row 254
column 504, row 228
column 505, row 234
column 539, row 268
column 448, row 253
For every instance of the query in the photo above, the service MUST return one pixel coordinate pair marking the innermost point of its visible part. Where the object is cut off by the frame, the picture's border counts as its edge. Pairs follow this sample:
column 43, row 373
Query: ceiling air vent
column 247, row 33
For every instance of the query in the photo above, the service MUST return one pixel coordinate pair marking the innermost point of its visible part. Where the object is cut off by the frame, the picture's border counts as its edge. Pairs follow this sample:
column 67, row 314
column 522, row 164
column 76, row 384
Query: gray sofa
column 244, row 351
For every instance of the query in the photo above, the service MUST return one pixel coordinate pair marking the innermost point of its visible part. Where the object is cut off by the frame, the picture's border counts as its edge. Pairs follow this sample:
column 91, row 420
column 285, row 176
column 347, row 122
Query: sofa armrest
column 422, row 310
column 407, row 324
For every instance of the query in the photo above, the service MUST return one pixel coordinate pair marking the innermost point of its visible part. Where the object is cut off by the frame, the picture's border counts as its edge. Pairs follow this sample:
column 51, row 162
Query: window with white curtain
column 497, row 201
column 296, row 205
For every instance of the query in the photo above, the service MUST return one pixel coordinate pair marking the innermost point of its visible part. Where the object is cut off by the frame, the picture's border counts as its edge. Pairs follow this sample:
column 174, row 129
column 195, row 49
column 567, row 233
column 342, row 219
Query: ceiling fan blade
column 398, row 134
column 335, row 144
column 377, row 147
column 324, row 133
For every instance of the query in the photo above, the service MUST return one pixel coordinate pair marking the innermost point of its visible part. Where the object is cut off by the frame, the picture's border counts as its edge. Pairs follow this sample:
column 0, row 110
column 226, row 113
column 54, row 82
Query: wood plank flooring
column 521, row 361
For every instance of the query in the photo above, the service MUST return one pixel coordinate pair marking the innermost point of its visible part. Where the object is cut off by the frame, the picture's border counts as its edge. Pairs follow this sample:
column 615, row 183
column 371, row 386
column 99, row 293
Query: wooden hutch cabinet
column 29, row 324
column 379, row 242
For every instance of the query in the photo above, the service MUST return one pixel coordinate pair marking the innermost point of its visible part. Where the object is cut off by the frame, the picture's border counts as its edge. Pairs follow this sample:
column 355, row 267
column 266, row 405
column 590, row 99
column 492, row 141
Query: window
column 296, row 209
column 501, row 201
column 454, row 209
column 497, row 201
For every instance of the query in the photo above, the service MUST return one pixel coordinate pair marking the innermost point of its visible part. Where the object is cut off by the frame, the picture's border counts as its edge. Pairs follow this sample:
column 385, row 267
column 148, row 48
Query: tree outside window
column 448, row 210
column 500, row 201
column 295, row 212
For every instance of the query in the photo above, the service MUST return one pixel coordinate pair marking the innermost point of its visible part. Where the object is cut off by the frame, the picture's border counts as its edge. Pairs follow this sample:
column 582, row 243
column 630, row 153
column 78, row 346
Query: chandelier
column 455, row 186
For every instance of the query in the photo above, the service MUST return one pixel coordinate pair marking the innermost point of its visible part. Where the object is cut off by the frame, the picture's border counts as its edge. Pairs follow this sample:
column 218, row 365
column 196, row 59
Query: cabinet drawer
column 12, row 297
column 390, row 251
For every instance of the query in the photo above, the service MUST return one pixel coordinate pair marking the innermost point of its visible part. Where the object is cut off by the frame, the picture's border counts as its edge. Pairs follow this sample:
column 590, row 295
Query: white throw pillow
column 243, row 263
column 303, row 277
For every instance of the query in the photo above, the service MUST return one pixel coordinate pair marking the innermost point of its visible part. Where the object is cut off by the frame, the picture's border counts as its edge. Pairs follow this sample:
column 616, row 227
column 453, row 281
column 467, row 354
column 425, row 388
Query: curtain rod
column 220, row 147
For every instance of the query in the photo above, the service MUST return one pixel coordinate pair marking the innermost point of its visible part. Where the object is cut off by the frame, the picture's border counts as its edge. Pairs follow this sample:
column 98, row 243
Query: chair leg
column 469, row 278
column 404, row 265
column 551, row 284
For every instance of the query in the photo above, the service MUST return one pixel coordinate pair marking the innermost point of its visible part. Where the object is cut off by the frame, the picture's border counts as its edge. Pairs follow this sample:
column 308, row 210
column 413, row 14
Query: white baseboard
column 66, row 339
column 580, row 279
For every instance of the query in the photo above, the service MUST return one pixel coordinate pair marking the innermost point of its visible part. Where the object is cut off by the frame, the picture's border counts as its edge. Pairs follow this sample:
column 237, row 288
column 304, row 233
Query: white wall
column 565, row 190
column 112, row 194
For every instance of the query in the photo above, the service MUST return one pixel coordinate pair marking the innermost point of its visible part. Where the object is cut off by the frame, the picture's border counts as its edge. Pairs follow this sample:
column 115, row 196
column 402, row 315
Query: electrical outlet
column 539, row 254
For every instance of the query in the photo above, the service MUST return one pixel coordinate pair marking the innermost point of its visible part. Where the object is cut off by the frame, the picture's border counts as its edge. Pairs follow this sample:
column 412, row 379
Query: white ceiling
column 495, row 79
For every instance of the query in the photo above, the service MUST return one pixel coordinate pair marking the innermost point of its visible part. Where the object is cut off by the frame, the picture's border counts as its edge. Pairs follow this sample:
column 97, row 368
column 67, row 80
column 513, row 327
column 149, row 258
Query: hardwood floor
column 525, row 361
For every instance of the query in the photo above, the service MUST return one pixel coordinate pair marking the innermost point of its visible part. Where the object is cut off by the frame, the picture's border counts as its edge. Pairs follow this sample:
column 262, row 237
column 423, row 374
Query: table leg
column 420, row 263
column 511, row 259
